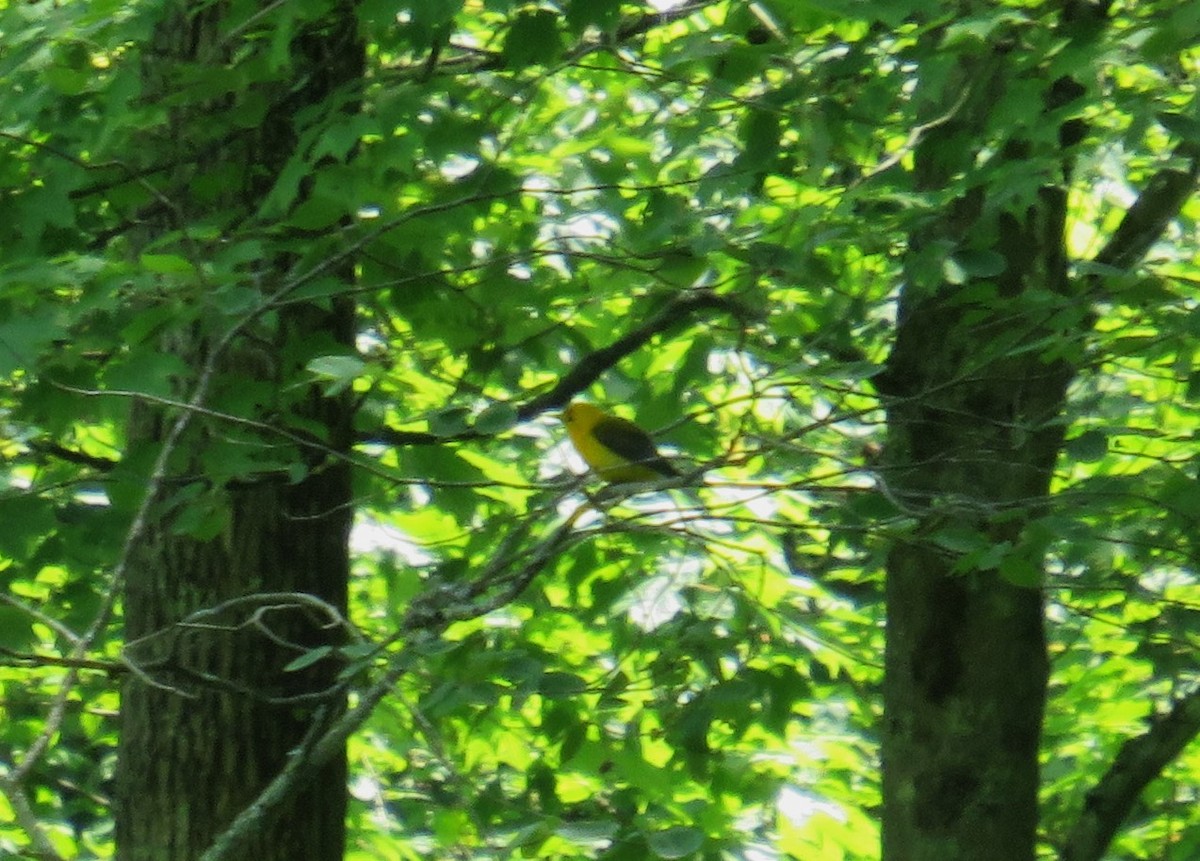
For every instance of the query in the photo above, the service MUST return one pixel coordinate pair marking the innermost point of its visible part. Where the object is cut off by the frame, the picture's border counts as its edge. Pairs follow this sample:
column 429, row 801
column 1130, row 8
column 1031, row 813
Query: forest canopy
column 292, row 296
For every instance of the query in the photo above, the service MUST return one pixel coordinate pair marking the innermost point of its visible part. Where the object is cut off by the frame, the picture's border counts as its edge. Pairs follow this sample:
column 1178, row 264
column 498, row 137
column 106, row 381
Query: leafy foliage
column 690, row 673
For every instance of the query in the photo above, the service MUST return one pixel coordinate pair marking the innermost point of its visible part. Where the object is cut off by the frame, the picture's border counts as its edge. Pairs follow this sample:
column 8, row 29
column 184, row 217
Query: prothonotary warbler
column 615, row 448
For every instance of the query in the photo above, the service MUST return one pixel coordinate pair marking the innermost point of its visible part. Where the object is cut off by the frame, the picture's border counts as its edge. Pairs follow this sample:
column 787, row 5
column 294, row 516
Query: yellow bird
column 615, row 448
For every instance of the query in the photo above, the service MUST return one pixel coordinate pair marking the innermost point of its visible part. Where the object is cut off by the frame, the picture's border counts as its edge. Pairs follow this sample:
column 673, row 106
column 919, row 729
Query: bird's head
column 581, row 415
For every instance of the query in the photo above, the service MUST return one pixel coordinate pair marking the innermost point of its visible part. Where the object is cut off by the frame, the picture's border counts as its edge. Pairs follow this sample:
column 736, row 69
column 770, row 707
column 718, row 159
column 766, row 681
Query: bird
column 615, row 448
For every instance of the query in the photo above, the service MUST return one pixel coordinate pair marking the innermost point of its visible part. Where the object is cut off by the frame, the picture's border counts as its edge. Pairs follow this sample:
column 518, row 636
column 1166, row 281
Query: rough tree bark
column 211, row 717
column 976, row 388
column 975, row 385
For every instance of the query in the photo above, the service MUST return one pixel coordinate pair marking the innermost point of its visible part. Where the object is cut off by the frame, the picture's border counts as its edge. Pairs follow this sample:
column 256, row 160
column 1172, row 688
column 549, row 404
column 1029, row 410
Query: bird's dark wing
column 631, row 442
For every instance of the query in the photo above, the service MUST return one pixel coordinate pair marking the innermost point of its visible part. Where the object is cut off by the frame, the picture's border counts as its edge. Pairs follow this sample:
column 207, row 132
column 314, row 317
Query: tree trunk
column 211, row 715
column 975, row 386
column 194, row 754
column 970, row 451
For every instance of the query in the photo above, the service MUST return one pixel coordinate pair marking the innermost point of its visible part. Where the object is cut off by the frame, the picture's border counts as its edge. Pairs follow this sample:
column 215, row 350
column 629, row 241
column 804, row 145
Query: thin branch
column 70, row 455
column 9, row 657
column 1139, row 761
column 42, row 848
column 915, row 135
column 49, row 621
column 55, row 151
column 589, row 368
column 307, row 760
column 255, row 607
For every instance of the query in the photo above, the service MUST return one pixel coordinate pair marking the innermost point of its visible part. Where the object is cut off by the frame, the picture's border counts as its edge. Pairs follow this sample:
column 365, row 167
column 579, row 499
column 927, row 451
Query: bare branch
column 30, row 659
column 245, row 612
column 70, row 455
column 49, row 621
column 40, row 844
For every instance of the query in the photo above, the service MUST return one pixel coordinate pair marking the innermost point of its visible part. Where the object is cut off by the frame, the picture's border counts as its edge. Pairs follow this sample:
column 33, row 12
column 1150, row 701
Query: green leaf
column 203, row 519
column 1181, row 494
column 359, row 651
column 604, row 14
column 317, row 212
column 983, row 263
column 167, row 264
column 1089, row 447
column 1019, row 570
column 760, row 137
column 26, row 336
column 307, row 659
column 533, row 39
column 496, row 418
column 450, row 422
column 678, row 842
column 337, row 372
column 1181, row 125
column 587, row 832
column 954, row 272
column 529, row 837
column 556, row 685
column 1193, row 386
column 148, row 372
column 960, row 539
column 16, row 629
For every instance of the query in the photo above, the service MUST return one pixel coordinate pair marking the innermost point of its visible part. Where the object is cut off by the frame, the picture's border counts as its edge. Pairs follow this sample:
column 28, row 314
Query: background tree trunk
column 976, row 384
column 213, row 716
